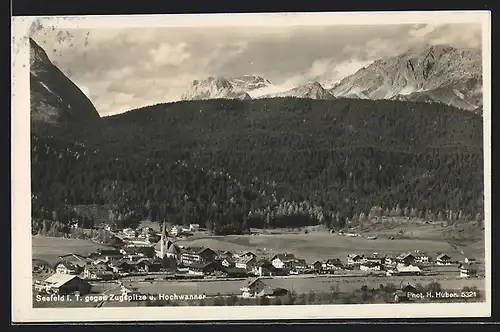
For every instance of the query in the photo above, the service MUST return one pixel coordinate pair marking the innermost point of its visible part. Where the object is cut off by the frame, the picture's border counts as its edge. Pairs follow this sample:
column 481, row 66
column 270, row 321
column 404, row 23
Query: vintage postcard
column 284, row 166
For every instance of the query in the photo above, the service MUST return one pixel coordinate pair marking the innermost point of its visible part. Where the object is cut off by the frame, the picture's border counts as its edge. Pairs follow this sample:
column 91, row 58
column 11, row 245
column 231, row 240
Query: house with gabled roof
column 421, row 257
column 201, row 269
column 317, row 266
column 197, row 255
column 406, row 258
column 402, row 293
column 332, row 264
column 468, row 270
column 374, row 258
column 245, row 262
column 122, row 266
column 226, row 254
column 247, row 254
column 443, row 259
column 299, row 265
column 96, row 271
column 283, row 261
column 63, row 284
column 263, row 267
column 354, row 259
column 64, row 267
column 253, row 287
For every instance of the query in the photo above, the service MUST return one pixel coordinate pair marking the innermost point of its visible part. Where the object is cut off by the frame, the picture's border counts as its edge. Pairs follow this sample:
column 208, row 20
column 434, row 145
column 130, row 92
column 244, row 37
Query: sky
column 125, row 68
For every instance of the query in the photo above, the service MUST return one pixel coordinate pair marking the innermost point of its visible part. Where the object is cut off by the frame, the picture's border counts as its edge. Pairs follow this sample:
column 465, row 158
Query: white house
column 421, row 257
column 128, row 233
column 174, row 231
column 66, row 268
column 354, row 259
column 403, row 269
column 370, row 266
column 282, row 261
column 331, row 264
column 468, row 270
column 194, row 227
column 389, row 260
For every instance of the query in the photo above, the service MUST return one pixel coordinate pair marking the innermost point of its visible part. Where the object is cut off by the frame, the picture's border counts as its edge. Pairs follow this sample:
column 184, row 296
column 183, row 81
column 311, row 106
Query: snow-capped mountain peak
column 213, row 88
column 249, row 82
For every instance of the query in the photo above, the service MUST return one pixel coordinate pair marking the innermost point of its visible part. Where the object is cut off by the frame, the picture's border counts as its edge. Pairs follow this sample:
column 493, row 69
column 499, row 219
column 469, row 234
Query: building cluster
column 408, row 263
column 165, row 256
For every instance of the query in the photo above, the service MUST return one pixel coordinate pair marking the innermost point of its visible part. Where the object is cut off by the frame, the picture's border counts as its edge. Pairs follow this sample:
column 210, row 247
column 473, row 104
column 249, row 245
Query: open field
column 300, row 285
column 321, row 245
column 50, row 248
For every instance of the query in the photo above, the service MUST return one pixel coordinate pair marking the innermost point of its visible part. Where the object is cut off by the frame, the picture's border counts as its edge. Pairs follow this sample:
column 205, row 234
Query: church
column 165, row 247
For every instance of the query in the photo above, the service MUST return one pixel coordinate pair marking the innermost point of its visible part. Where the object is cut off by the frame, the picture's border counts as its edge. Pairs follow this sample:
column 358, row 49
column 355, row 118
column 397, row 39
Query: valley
column 387, row 162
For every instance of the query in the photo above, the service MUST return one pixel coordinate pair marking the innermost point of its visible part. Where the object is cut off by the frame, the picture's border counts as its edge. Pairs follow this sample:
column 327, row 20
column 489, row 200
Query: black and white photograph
column 283, row 166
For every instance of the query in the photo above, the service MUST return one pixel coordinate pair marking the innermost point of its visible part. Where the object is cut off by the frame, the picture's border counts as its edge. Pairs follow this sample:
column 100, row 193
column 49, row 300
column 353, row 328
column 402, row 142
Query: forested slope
column 232, row 164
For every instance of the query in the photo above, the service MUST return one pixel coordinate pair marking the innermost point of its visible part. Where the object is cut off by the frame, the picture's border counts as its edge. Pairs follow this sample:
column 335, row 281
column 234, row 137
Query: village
column 137, row 256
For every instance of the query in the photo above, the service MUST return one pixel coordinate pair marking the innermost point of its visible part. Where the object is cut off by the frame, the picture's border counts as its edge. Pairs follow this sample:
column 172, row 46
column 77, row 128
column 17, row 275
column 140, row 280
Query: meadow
column 50, row 248
column 322, row 245
column 301, row 285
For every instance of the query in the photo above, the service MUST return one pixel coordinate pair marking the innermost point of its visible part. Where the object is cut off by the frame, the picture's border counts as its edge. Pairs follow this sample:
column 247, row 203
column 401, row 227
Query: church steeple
column 163, row 239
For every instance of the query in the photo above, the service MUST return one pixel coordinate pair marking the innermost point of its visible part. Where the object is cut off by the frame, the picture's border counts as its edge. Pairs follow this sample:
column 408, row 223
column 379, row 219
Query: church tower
column 163, row 240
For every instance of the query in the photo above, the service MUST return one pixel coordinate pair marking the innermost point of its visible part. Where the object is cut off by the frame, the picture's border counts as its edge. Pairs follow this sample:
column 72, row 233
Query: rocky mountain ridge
column 311, row 90
column 437, row 73
column 54, row 98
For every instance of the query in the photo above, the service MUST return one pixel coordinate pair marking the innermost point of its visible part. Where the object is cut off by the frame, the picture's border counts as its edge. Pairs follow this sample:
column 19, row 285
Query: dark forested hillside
column 232, row 164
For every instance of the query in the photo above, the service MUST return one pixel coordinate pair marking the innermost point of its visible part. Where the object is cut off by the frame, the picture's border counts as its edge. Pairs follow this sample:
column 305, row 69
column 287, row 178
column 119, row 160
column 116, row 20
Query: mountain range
column 433, row 74
column 54, row 98
column 428, row 74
